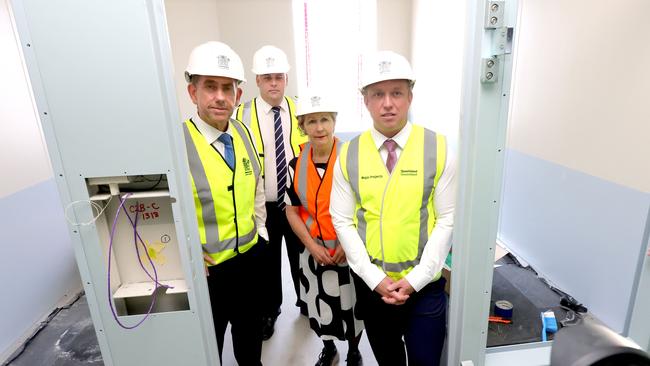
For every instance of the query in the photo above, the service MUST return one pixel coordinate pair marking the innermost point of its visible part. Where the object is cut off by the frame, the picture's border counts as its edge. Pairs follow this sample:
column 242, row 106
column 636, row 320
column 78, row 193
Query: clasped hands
column 325, row 256
column 394, row 292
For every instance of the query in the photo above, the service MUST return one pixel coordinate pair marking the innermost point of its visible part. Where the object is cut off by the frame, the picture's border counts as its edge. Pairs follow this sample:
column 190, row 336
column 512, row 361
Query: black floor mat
column 529, row 296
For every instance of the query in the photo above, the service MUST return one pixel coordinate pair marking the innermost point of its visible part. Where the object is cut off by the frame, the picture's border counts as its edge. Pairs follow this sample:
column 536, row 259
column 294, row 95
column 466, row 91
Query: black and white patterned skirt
column 330, row 297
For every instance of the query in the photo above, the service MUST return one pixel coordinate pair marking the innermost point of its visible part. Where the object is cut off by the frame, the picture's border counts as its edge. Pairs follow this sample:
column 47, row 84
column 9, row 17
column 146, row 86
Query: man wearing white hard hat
column 228, row 187
column 272, row 121
column 392, row 206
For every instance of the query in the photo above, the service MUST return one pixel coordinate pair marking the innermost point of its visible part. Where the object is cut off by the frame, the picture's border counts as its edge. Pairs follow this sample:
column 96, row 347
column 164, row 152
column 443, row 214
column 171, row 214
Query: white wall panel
column 394, row 19
column 190, row 23
column 247, row 25
column 38, row 270
column 24, row 160
column 577, row 183
column 582, row 86
column 437, row 58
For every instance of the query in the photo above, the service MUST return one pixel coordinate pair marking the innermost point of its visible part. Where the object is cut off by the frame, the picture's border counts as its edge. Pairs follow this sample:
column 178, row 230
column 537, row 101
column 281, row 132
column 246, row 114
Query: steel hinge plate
column 502, row 40
column 494, row 14
column 490, row 70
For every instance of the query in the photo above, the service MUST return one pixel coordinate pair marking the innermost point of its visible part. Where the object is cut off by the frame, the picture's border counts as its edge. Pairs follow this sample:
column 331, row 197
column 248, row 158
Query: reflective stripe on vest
column 234, row 230
column 395, row 227
column 247, row 113
column 314, row 193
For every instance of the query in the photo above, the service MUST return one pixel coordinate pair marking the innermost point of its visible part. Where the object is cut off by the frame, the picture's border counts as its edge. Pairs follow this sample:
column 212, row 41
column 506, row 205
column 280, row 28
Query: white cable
column 93, row 204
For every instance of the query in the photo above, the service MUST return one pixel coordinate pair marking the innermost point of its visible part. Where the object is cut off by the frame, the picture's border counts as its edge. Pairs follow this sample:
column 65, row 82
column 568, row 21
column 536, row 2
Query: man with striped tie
column 273, row 123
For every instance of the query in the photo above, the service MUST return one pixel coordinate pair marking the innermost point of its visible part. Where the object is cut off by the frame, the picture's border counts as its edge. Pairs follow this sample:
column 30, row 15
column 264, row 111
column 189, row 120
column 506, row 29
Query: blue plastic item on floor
column 549, row 324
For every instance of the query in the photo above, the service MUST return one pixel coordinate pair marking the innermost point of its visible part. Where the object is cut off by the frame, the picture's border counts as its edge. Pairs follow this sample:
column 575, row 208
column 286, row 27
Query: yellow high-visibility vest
column 247, row 113
column 224, row 198
column 395, row 213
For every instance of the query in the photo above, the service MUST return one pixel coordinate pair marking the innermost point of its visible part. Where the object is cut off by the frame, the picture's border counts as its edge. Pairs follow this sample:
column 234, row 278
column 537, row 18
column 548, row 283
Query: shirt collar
column 401, row 137
column 210, row 133
column 266, row 107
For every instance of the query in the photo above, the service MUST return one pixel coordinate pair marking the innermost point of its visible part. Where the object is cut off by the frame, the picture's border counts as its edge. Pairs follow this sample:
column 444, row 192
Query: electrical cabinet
column 135, row 225
column 102, row 78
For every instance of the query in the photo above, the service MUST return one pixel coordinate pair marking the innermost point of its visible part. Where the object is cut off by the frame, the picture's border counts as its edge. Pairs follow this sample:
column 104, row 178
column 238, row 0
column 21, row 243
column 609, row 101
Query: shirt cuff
column 373, row 276
column 418, row 278
column 261, row 231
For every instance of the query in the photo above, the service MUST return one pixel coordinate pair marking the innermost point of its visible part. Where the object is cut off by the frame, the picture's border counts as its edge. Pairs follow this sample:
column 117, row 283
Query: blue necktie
column 226, row 139
column 280, row 159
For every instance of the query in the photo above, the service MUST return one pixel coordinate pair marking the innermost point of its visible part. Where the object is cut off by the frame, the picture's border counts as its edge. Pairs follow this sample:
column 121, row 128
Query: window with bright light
column 330, row 39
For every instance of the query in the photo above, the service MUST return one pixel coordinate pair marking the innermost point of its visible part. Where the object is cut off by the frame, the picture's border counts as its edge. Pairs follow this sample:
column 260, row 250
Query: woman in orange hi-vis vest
column 325, row 281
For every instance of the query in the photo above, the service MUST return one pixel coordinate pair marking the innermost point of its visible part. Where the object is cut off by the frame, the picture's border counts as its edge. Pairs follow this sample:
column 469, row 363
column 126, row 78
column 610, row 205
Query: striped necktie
column 280, row 158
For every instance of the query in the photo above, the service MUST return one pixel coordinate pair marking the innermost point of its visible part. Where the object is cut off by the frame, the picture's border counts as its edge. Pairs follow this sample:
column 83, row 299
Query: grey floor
column 529, row 295
column 69, row 339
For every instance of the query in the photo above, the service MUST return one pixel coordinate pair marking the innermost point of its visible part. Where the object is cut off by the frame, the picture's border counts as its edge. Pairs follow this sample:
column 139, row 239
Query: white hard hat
column 270, row 60
column 215, row 59
column 385, row 65
column 314, row 101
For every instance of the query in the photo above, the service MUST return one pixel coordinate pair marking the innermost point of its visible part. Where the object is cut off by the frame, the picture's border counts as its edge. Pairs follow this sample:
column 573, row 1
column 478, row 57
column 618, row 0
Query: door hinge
column 490, row 70
column 494, row 14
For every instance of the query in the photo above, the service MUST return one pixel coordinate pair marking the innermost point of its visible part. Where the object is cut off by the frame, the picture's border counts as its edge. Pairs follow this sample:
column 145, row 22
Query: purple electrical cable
column 134, row 224
column 110, row 247
column 136, row 236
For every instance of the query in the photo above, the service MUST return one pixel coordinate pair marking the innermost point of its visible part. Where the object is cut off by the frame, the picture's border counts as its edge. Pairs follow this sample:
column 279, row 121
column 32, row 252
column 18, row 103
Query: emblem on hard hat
column 270, row 61
column 223, row 62
column 315, row 101
column 384, row 67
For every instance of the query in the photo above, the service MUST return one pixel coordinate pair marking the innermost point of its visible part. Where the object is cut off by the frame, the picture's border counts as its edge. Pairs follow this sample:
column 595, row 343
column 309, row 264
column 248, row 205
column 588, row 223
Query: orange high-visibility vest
column 314, row 194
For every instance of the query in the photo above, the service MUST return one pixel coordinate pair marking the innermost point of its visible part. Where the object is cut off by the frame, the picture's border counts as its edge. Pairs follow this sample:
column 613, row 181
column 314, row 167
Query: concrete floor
column 69, row 339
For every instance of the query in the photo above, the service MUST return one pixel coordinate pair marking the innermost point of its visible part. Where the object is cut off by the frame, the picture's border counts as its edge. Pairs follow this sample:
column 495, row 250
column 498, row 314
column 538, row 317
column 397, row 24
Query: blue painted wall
column 38, row 265
column 583, row 233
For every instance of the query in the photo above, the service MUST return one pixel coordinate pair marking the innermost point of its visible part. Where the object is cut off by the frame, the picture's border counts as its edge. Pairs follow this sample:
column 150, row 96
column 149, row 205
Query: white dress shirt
column 267, row 129
column 211, row 135
column 342, row 207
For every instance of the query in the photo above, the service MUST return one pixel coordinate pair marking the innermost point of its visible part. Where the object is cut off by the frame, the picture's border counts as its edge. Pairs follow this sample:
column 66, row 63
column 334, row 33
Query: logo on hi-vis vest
column 372, row 176
column 408, row 172
column 247, row 166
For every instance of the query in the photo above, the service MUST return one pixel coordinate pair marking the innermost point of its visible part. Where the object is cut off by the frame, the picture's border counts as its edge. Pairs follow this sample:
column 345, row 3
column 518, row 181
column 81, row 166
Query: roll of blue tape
column 503, row 308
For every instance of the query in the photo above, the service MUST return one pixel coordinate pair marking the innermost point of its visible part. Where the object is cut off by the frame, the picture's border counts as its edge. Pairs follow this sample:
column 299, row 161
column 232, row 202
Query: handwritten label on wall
column 147, row 211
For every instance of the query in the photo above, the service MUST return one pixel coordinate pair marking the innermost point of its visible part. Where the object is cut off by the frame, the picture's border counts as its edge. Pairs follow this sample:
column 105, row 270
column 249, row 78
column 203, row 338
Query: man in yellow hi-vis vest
column 228, row 192
column 271, row 117
column 392, row 205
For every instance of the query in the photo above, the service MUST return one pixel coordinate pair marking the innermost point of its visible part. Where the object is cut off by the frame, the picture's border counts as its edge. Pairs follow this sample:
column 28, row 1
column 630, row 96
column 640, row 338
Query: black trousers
column 419, row 324
column 234, row 289
column 278, row 227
